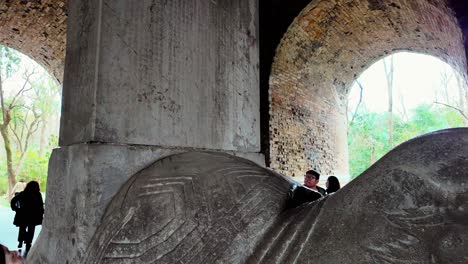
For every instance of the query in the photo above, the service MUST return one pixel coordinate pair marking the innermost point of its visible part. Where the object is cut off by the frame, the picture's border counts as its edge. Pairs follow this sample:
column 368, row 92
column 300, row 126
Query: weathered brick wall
column 328, row 45
column 36, row 28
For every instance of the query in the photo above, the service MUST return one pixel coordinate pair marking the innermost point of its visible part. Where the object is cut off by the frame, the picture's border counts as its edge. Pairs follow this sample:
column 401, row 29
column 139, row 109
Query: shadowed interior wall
column 275, row 17
column 37, row 29
column 327, row 46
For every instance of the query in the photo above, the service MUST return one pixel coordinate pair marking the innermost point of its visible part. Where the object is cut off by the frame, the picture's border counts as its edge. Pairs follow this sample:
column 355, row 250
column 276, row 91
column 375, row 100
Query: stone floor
column 9, row 232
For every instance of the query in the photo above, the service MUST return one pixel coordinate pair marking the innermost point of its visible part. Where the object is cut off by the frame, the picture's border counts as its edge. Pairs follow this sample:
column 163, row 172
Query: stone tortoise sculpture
column 410, row 207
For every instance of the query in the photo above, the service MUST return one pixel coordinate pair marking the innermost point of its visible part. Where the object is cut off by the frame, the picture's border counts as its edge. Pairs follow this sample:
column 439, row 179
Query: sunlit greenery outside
column 424, row 98
column 29, row 120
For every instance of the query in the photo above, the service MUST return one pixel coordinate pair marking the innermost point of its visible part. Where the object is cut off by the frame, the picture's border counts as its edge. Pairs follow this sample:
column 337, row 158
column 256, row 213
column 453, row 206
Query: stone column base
column 82, row 180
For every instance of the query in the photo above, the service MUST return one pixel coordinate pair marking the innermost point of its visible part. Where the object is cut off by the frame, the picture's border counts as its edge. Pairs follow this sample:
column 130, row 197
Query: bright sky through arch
column 416, row 78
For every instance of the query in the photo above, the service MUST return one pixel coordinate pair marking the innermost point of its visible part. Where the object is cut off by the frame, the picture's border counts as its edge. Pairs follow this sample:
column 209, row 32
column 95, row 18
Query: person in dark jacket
column 299, row 194
column 29, row 209
column 333, row 184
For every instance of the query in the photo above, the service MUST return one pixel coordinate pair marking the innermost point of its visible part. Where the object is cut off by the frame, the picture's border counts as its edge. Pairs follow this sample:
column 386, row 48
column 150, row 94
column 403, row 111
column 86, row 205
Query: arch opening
column 30, row 107
column 319, row 58
column 399, row 97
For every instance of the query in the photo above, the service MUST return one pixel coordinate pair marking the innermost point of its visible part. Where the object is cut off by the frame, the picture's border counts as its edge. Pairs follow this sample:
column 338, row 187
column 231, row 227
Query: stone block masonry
column 163, row 73
column 37, row 29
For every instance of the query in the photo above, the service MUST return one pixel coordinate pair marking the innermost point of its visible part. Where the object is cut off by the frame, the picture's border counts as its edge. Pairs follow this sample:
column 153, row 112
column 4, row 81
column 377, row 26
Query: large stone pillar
column 165, row 73
column 144, row 80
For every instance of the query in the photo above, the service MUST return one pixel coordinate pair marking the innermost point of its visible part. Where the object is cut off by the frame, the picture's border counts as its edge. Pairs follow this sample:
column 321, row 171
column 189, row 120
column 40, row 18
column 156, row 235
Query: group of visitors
column 29, row 211
column 310, row 191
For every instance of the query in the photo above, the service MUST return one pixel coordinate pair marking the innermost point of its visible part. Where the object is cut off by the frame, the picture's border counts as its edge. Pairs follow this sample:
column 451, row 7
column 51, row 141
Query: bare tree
column 372, row 157
column 43, row 137
column 19, row 122
column 404, row 112
column 389, row 72
column 458, row 104
column 7, row 59
column 46, row 101
column 361, row 90
column 445, row 79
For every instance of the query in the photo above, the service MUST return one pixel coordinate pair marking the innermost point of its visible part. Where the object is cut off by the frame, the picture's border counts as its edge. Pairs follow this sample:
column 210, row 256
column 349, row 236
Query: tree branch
column 30, row 130
column 18, row 139
column 23, row 88
column 360, row 100
column 2, row 99
column 455, row 108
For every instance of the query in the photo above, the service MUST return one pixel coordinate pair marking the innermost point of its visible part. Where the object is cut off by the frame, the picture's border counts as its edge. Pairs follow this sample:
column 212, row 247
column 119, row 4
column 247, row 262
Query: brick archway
column 37, row 29
column 327, row 46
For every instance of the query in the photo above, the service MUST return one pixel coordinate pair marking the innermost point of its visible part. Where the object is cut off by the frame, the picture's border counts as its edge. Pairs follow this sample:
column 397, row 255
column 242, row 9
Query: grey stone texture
column 82, row 181
column 190, row 208
column 165, row 73
column 410, row 207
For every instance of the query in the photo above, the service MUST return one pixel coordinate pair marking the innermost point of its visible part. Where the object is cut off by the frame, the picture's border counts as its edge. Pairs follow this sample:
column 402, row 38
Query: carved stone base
column 198, row 207
column 82, row 181
column 410, row 207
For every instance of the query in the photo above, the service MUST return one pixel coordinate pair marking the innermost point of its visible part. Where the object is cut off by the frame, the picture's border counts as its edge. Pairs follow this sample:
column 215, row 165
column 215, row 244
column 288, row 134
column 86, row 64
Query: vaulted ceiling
column 38, row 29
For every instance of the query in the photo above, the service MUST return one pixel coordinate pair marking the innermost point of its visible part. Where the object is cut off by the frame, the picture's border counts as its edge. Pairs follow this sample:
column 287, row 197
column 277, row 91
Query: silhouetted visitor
column 29, row 209
column 311, row 179
column 10, row 257
column 333, row 184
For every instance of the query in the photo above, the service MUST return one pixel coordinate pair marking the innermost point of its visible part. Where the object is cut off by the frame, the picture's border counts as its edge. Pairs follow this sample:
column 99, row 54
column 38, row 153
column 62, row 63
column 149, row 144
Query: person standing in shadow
column 332, row 184
column 29, row 208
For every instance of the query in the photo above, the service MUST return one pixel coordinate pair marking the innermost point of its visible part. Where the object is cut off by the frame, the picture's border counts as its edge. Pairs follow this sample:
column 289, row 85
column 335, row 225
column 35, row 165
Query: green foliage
column 3, row 182
column 33, row 100
column 9, row 61
column 370, row 131
column 35, row 168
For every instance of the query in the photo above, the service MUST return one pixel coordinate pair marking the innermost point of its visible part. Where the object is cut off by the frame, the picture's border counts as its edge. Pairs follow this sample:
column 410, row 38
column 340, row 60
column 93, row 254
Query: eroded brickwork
column 328, row 45
column 36, row 28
